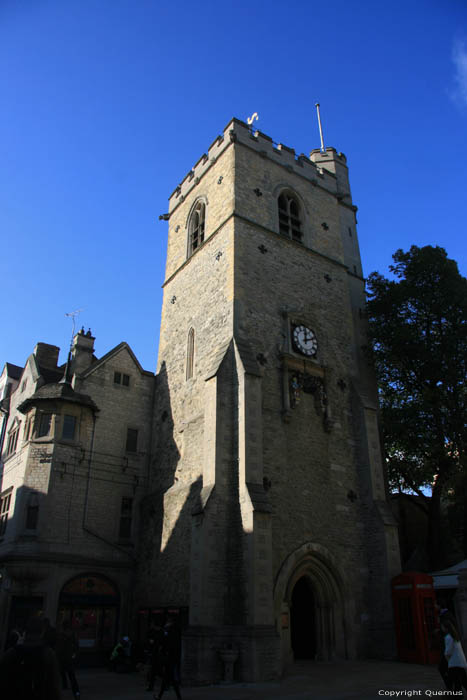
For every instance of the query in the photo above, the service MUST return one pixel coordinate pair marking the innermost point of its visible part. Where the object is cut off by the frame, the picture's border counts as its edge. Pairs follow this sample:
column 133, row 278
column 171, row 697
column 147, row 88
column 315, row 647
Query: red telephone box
column 416, row 618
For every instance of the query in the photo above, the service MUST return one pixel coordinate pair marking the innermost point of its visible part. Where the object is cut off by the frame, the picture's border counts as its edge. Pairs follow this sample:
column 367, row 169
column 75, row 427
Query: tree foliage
column 418, row 329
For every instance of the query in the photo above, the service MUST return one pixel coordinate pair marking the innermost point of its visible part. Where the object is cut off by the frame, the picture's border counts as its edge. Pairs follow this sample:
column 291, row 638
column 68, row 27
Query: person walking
column 49, row 633
column 444, row 615
column 153, row 652
column 170, row 658
column 14, row 637
column 30, row 671
column 454, row 654
column 67, row 651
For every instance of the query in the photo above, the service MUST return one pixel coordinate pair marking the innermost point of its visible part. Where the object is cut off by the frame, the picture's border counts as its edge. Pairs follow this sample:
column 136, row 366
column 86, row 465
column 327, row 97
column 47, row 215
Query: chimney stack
column 46, row 355
column 82, row 351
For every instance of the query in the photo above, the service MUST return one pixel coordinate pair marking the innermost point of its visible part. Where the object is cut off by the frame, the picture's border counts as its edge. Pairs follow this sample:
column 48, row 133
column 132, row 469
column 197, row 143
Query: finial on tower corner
column 323, row 147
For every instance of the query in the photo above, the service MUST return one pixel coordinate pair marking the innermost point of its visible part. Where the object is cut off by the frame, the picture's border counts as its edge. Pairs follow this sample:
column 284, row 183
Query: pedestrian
column 30, row 671
column 153, row 655
column 67, row 651
column 444, row 615
column 454, row 654
column 14, row 637
column 170, row 656
column 117, row 657
column 49, row 633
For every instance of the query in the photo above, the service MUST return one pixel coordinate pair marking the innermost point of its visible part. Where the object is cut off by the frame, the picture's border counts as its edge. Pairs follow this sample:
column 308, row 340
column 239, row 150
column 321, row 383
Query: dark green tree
column 418, row 331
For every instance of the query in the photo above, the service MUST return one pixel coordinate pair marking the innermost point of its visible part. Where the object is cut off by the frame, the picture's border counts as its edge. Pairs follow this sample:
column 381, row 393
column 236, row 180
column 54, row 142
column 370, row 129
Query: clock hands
column 305, row 340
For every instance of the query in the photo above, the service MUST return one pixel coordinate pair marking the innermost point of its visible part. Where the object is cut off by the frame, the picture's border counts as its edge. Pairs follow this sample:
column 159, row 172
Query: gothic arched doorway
column 91, row 603
column 302, row 620
column 310, row 606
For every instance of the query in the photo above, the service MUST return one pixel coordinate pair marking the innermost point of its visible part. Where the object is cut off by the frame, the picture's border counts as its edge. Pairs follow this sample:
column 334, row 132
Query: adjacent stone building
column 74, row 468
column 243, row 487
column 267, row 516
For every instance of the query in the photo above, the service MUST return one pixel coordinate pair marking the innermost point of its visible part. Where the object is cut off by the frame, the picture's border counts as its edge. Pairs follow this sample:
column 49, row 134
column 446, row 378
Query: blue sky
column 106, row 104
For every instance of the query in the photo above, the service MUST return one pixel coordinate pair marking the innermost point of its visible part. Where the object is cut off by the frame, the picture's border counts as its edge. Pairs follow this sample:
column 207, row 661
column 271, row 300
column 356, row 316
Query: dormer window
column 196, row 227
column 289, row 217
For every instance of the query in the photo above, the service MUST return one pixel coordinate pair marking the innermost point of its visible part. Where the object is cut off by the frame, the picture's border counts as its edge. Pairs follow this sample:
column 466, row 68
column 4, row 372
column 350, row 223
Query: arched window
column 196, row 227
column 289, row 217
column 190, row 353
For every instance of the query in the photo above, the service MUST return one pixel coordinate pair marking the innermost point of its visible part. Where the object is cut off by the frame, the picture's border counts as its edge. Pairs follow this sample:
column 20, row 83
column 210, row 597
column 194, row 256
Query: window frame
column 75, row 425
column 125, row 526
column 42, row 415
column 190, row 354
column 13, row 440
column 121, row 379
column 290, row 224
column 32, row 506
column 128, row 442
column 196, row 226
column 5, row 505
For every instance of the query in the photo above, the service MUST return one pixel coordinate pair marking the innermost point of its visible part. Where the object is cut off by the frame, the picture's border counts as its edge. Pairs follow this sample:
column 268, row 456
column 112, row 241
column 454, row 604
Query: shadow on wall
column 159, row 575
column 22, row 516
column 168, row 513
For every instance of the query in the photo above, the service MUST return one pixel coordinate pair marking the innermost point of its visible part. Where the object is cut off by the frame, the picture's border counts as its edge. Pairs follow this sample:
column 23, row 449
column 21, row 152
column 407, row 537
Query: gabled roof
column 13, row 371
column 51, row 375
column 14, row 424
column 112, row 353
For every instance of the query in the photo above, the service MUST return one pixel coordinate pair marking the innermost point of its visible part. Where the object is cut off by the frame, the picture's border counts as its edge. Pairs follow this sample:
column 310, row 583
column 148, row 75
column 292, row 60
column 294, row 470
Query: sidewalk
column 348, row 680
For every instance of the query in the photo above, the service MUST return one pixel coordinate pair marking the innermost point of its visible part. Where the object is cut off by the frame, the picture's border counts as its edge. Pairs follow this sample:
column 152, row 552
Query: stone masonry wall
column 198, row 295
column 248, row 282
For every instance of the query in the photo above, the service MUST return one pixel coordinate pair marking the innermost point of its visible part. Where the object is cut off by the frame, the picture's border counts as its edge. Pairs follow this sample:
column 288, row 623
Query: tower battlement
column 327, row 170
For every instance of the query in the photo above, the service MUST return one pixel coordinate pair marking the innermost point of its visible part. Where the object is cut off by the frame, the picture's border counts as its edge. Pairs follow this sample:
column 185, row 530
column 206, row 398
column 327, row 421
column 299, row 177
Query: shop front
column 91, row 603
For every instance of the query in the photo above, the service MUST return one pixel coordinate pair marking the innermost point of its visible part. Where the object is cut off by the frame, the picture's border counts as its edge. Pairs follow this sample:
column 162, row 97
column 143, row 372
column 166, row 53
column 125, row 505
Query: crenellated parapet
column 327, row 170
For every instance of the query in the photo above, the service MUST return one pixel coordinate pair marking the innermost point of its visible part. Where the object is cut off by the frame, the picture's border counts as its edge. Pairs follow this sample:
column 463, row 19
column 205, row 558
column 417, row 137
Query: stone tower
column 267, row 516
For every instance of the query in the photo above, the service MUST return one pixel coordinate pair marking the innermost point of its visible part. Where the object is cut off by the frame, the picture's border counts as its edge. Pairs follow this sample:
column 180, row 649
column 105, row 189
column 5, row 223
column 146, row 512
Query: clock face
column 305, row 340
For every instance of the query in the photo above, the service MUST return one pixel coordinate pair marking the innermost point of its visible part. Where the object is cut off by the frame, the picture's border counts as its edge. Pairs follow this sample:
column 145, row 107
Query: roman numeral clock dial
column 304, row 340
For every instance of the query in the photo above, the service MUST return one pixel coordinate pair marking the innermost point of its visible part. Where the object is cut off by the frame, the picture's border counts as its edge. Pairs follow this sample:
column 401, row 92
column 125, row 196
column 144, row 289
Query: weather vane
column 251, row 119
